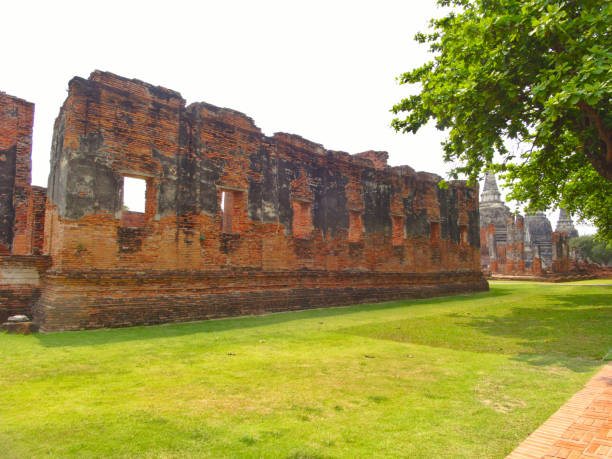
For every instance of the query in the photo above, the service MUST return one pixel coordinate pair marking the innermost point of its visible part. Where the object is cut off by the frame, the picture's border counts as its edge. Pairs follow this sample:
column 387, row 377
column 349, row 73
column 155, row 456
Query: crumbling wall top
column 135, row 87
column 378, row 158
column 227, row 116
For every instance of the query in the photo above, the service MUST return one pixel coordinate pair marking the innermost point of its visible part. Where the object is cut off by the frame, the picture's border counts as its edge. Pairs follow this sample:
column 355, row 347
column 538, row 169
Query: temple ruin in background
column 234, row 222
column 524, row 246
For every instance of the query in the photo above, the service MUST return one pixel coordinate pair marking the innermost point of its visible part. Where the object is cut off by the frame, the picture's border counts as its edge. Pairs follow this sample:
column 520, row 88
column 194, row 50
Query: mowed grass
column 595, row 282
column 465, row 376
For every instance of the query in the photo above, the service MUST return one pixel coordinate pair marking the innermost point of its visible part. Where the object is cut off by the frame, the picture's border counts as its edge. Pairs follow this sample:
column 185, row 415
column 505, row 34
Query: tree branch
column 604, row 163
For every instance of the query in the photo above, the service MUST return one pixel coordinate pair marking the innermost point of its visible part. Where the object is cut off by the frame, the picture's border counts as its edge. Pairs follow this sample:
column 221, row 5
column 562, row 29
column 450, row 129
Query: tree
column 523, row 88
column 593, row 250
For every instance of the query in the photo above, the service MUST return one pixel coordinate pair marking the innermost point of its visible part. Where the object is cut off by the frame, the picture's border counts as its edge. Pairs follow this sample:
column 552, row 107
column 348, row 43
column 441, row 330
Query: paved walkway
column 582, row 428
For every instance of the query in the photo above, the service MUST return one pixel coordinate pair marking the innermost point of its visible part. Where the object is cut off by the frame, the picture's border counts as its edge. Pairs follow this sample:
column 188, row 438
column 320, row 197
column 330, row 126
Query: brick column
column 560, row 246
column 520, row 245
column 510, row 248
column 492, row 248
column 537, row 261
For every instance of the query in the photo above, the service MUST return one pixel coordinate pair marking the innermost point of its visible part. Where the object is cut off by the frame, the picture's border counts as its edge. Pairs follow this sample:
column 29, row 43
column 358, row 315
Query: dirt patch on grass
column 492, row 394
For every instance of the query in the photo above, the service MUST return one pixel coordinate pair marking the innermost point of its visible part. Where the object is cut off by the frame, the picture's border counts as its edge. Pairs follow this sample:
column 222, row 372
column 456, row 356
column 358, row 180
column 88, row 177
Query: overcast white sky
column 322, row 70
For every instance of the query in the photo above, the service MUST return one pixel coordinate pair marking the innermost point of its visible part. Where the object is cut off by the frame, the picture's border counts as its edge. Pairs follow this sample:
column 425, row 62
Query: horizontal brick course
column 78, row 300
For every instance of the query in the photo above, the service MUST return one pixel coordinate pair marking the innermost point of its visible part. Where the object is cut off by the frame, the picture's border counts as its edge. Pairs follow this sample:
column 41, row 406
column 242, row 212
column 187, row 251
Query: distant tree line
column 593, row 249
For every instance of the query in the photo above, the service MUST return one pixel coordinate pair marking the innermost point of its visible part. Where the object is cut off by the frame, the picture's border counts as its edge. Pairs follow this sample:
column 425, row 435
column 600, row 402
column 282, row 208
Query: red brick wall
column 16, row 122
column 79, row 300
column 36, row 218
column 302, row 217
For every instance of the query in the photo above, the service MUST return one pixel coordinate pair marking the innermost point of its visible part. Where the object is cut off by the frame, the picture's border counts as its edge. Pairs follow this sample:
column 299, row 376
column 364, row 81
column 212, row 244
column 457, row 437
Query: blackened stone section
column 263, row 201
column 416, row 222
column 89, row 89
column 356, row 248
column 209, row 175
column 57, row 176
column 229, row 242
column 7, row 185
column 166, row 199
column 474, row 228
column 188, row 180
column 187, row 203
column 330, row 202
column 287, row 173
column 82, row 181
column 162, row 93
column 91, row 187
column 558, row 247
column 449, row 213
column 269, row 196
column 304, row 248
column 254, row 203
column 256, row 187
column 130, row 239
column 377, row 202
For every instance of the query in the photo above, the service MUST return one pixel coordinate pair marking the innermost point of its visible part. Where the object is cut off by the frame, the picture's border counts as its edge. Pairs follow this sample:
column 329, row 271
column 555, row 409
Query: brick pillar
column 560, row 246
column 492, row 249
column 510, row 248
column 520, row 244
column 537, row 261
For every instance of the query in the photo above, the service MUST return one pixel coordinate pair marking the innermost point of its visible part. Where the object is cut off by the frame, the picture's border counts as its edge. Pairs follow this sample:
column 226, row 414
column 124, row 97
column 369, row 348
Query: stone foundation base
column 82, row 300
column 20, row 283
column 20, row 328
column 557, row 277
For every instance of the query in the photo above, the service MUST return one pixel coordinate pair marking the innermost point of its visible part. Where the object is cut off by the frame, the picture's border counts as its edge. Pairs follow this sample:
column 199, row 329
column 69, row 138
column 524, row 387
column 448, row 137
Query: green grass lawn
column 467, row 376
column 594, row 281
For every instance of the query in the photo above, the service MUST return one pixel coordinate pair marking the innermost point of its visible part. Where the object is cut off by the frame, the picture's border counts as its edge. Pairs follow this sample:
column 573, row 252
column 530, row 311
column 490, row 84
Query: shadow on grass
column 569, row 329
column 115, row 335
column 574, row 331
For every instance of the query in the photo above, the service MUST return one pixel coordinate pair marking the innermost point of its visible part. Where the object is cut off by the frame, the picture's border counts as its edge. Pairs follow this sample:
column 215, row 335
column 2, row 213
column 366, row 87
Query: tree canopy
column 593, row 249
column 523, row 88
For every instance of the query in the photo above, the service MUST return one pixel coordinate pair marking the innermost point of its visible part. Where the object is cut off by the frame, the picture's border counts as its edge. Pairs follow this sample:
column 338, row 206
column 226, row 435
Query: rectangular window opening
column 134, row 202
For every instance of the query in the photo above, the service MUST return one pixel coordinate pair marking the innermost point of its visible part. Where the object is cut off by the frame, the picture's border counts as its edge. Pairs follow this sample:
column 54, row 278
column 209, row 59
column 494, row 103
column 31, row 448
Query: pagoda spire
column 565, row 224
column 490, row 192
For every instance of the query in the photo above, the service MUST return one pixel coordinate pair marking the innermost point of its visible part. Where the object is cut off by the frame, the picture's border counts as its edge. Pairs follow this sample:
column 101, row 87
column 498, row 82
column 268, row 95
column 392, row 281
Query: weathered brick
column 16, row 122
column 301, row 226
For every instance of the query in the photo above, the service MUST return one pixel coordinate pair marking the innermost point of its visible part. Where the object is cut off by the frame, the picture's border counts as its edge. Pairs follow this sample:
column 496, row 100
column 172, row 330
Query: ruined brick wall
column 22, row 210
column 508, row 256
column 235, row 222
column 560, row 255
column 16, row 122
column 508, row 259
